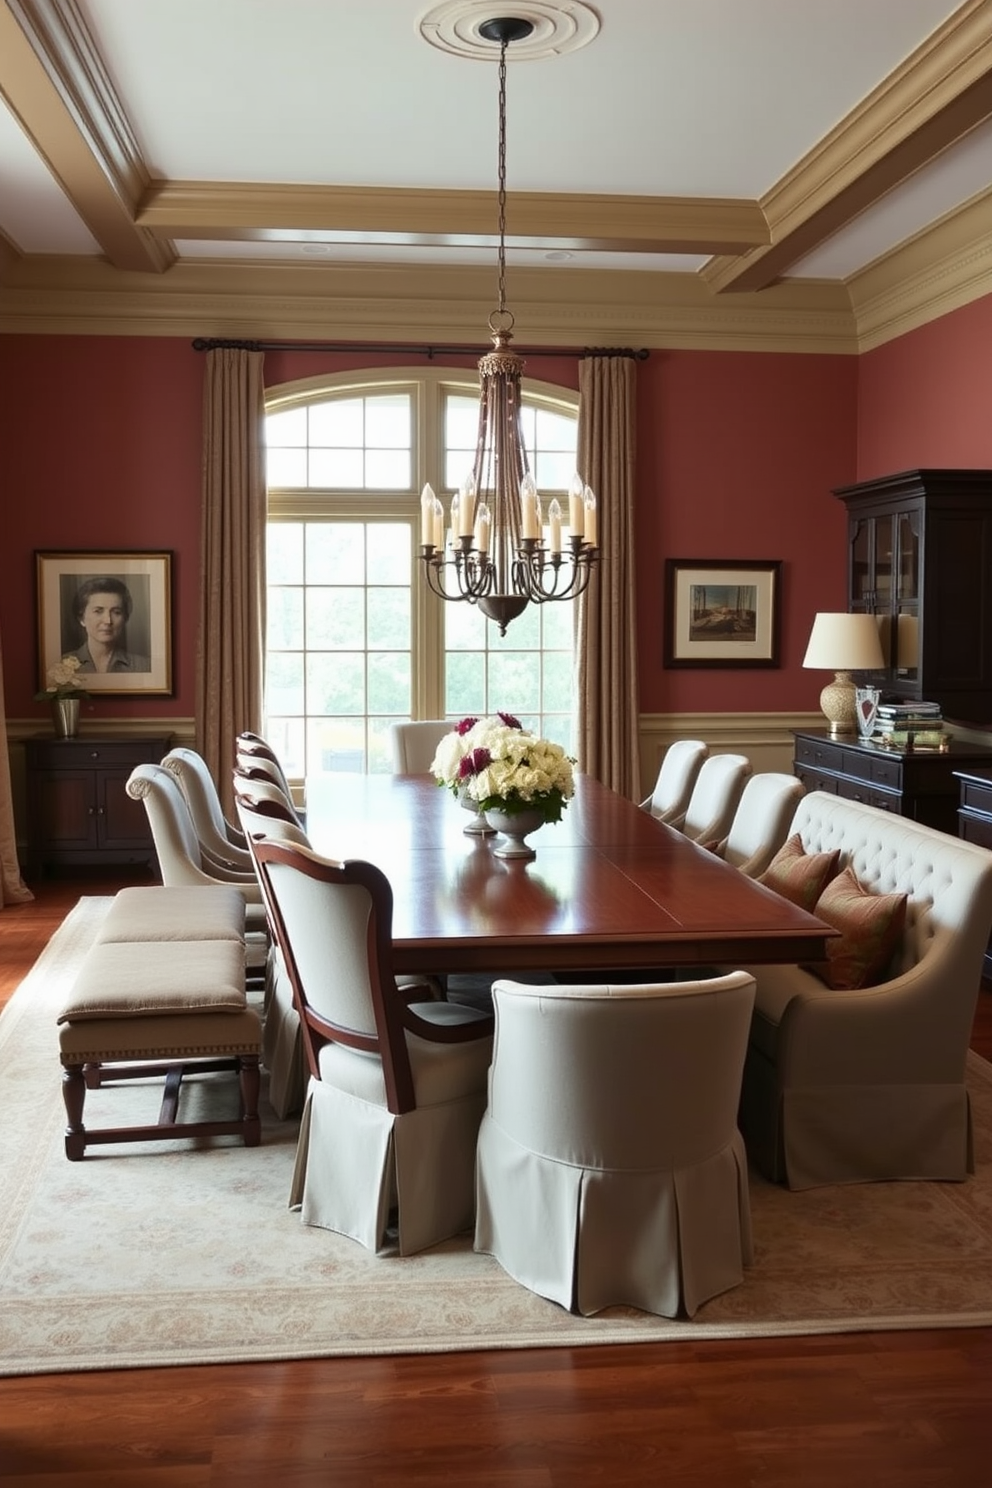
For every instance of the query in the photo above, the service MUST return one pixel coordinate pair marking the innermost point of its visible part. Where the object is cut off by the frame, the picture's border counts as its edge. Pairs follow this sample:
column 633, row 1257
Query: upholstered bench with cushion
column 158, row 1005
column 157, row 912
column 856, row 1068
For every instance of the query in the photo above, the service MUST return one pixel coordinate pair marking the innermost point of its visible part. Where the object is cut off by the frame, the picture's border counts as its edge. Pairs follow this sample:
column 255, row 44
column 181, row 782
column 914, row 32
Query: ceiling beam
column 55, row 84
column 223, row 211
column 939, row 94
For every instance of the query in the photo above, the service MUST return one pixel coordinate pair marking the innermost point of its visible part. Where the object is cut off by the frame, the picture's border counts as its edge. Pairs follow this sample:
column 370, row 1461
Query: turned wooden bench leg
column 249, row 1079
column 74, row 1096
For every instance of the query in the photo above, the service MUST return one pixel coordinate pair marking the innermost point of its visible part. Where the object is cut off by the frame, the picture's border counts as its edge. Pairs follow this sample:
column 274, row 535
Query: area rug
column 168, row 1254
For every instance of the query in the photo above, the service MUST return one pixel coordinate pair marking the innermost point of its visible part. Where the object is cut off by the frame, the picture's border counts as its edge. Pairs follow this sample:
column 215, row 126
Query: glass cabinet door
column 907, row 595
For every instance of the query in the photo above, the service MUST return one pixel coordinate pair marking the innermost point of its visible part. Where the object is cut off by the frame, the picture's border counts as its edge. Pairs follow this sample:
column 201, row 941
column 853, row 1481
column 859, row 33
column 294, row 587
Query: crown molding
column 388, row 302
column 944, row 268
column 934, row 98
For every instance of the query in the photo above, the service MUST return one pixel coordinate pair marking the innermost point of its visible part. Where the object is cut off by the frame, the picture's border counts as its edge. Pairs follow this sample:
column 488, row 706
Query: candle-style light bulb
column 466, row 505
column 427, row 499
column 483, row 527
column 528, row 507
column 438, row 523
column 576, row 505
column 591, row 519
column 554, row 523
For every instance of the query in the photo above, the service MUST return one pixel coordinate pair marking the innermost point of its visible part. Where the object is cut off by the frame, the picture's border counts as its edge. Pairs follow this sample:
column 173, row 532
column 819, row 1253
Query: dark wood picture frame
column 144, row 667
column 722, row 612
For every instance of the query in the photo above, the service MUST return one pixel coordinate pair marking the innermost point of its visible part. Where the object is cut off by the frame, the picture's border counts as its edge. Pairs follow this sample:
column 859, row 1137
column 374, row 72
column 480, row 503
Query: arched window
column 355, row 641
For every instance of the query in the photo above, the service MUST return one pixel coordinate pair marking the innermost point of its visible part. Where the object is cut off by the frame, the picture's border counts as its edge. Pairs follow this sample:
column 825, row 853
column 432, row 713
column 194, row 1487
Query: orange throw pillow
column 800, row 876
column 870, row 925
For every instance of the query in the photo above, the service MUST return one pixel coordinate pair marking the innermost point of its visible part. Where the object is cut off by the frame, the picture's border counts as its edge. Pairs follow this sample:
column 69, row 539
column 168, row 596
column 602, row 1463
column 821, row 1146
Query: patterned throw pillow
column 800, row 876
column 871, row 926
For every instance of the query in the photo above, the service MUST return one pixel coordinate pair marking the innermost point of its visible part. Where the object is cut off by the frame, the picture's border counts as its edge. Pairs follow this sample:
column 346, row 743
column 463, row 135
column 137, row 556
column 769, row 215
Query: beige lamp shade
column 843, row 643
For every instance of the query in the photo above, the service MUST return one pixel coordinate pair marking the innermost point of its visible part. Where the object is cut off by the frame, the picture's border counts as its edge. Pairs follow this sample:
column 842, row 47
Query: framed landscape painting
column 721, row 612
column 113, row 612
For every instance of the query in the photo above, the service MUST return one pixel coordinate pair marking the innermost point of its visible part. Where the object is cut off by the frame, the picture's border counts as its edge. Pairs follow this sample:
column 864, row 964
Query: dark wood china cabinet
column 920, row 560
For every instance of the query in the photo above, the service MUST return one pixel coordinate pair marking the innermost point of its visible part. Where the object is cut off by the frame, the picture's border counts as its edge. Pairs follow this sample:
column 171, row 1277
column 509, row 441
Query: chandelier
column 496, row 552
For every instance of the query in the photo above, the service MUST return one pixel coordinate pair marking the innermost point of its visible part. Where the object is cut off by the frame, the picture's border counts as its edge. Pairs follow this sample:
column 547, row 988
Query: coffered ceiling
column 682, row 171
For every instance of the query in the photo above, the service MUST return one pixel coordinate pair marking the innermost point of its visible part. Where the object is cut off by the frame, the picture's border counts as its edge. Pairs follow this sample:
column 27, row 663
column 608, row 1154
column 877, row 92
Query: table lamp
column 843, row 643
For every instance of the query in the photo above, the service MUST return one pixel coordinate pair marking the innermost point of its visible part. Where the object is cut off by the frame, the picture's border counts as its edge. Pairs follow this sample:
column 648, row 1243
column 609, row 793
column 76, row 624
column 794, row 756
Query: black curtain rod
column 205, row 343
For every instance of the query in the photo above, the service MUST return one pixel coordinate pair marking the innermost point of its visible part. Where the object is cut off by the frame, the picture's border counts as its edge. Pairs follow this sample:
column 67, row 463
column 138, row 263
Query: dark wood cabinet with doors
column 79, row 813
column 919, row 784
column 975, row 819
column 920, row 560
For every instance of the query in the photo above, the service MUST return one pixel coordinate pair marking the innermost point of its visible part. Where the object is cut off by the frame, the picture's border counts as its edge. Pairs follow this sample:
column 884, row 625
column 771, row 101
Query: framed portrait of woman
column 112, row 611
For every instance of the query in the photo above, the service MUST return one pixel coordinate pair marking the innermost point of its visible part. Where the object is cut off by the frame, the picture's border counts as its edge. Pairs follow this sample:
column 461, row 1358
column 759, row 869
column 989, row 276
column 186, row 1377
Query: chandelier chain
column 501, row 197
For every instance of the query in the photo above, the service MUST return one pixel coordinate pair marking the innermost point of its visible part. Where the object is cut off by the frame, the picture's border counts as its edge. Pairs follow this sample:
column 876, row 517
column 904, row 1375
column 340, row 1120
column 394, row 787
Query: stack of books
column 909, row 725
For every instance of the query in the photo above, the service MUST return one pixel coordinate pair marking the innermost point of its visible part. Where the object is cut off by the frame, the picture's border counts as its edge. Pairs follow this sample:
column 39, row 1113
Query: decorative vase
column 866, row 709
column 478, row 826
column 515, row 826
column 65, row 713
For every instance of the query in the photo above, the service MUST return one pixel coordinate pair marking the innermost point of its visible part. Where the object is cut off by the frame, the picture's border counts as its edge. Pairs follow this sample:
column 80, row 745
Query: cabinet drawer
column 812, row 780
column 820, row 756
column 879, row 769
column 865, row 794
column 975, row 797
column 91, row 754
column 975, row 829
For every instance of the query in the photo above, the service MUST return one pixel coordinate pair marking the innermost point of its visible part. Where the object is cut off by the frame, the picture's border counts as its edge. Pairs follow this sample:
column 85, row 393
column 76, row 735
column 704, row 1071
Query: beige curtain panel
column 230, row 648
column 13, row 890
column 606, row 638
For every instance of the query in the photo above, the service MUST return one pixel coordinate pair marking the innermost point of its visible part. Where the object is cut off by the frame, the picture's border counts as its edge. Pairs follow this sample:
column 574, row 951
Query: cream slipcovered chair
column 222, row 843
column 282, row 1042
column 413, row 745
column 714, row 798
column 868, row 1082
column 396, row 1089
column 676, row 777
column 180, row 857
column 761, row 821
column 610, row 1168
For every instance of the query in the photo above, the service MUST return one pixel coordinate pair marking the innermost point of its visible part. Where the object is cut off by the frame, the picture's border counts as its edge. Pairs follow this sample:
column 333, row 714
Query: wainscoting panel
column 766, row 738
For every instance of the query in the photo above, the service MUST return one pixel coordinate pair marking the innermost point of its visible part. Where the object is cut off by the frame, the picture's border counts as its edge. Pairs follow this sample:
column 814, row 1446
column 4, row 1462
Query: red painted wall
column 737, row 453
column 99, row 449
column 926, row 399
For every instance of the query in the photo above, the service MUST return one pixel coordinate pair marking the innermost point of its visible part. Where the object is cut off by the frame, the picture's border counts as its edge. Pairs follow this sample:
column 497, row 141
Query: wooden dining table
column 609, row 888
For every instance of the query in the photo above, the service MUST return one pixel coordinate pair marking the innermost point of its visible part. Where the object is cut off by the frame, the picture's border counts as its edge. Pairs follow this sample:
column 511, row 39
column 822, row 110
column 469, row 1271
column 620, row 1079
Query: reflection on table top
column 610, row 886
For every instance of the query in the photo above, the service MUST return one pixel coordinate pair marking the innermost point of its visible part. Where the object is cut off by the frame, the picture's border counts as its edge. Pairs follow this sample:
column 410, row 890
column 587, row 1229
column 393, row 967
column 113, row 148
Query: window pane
column 554, row 431
column 387, row 470
column 285, row 469
column 335, row 744
column 284, row 617
column 284, row 553
column 389, row 682
column 389, row 619
column 287, row 429
column 556, row 691
column 553, row 472
column 338, row 469
column 387, row 422
column 465, row 688
column 335, row 619
column 335, row 552
column 284, row 682
column 338, row 423
column 389, row 553
column 514, row 683
column 335, row 682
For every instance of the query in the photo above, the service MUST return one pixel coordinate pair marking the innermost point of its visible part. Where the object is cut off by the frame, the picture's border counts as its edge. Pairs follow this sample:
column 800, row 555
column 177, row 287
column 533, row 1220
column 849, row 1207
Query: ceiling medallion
column 456, row 26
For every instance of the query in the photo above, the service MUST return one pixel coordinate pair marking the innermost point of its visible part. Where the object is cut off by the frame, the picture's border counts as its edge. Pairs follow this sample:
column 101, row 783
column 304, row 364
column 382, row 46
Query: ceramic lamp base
column 838, row 705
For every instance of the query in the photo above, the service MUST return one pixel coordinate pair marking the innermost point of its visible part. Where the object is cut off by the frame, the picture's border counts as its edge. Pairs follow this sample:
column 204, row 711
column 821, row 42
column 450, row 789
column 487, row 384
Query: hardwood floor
column 863, row 1410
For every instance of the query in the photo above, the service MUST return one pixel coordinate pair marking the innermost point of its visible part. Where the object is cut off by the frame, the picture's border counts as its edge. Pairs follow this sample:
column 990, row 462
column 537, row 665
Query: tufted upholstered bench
column 853, row 1086
column 162, row 992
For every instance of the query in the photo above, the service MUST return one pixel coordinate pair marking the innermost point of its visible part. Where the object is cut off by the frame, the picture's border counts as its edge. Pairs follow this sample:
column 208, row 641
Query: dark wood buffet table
column 610, row 886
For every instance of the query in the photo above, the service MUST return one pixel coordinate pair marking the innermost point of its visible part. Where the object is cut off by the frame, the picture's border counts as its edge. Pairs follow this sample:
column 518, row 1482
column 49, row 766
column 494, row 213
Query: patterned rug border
column 56, row 1312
